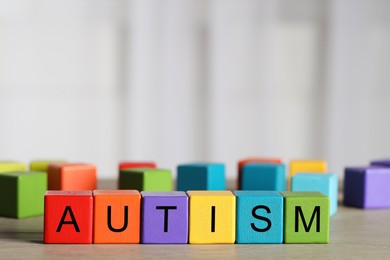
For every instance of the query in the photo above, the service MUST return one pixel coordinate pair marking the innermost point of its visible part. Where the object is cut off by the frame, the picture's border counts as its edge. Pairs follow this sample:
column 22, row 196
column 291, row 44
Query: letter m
column 299, row 214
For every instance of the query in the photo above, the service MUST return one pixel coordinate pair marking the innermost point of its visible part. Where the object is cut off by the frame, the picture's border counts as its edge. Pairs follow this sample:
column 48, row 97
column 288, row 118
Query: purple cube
column 367, row 187
column 383, row 163
column 164, row 217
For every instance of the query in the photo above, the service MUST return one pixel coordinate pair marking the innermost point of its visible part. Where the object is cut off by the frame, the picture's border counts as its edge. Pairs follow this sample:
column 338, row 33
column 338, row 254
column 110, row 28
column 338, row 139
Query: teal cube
column 201, row 176
column 22, row 194
column 259, row 217
column 326, row 183
column 145, row 179
column 263, row 176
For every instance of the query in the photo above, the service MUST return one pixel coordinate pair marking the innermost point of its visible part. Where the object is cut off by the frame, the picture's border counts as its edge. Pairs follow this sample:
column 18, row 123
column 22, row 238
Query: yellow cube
column 42, row 166
column 306, row 166
column 12, row 167
column 212, row 218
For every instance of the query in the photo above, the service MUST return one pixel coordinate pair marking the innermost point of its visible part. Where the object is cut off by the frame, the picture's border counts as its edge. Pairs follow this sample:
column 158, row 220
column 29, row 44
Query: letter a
column 73, row 222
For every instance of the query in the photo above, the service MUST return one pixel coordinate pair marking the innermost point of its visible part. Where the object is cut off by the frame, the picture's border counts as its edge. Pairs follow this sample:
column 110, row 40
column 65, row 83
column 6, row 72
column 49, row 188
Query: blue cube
column 201, row 176
column 259, row 217
column 326, row 183
column 263, row 176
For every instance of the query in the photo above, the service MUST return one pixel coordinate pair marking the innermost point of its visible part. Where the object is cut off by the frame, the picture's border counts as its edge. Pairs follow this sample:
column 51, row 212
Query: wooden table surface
column 354, row 233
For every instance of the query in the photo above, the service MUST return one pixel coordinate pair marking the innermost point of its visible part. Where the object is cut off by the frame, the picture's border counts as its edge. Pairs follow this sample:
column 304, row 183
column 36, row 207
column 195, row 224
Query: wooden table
column 354, row 233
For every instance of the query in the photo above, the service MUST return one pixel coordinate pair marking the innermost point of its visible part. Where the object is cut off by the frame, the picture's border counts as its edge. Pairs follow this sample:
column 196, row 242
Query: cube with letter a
column 212, row 217
column 117, row 216
column 306, row 217
column 68, row 217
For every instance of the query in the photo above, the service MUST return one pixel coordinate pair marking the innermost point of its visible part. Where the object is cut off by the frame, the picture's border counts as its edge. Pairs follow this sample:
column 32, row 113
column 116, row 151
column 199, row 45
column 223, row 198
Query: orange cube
column 117, row 216
column 66, row 176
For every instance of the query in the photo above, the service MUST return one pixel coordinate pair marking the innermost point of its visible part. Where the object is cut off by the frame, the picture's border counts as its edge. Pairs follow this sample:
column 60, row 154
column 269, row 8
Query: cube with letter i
column 212, row 217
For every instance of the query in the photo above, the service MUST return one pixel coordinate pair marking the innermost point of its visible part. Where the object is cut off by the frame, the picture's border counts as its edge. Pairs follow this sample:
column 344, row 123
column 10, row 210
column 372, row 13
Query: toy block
column 164, row 217
column 12, row 167
column 245, row 161
column 326, row 183
column 306, row 217
column 68, row 176
column 259, row 217
column 43, row 166
column 383, row 163
column 367, row 187
column 21, row 194
column 201, row 176
column 68, row 217
column 259, row 176
column 145, row 179
column 306, row 166
column 212, row 217
column 117, row 216
column 135, row 165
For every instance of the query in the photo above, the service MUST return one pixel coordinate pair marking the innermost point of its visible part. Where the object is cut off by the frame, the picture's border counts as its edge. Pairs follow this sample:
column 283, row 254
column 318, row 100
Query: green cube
column 145, row 179
column 12, row 167
column 306, row 217
column 22, row 194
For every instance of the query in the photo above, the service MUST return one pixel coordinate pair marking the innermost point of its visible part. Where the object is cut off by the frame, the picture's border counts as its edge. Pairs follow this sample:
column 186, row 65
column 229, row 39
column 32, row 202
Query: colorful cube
column 67, row 176
column 212, row 217
column 201, row 176
column 326, row 183
column 164, row 217
column 306, row 166
column 22, row 193
column 43, row 166
column 12, row 167
column 145, row 179
column 383, row 163
column 367, row 187
column 68, row 217
column 135, row 165
column 306, row 217
column 245, row 161
column 261, row 176
column 259, row 217
column 117, row 216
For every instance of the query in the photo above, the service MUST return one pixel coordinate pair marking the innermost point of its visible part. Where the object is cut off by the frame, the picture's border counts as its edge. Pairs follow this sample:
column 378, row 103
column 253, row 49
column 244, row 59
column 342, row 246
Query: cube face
column 135, row 165
column 259, row 217
column 383, row 163
column 68, row 217
column 367, row 187
column 72, row 177
column 43, row 166
column 117, row 216
column 22, row 193
column 212, row 217
column 248, row 160
column 164, row 218
column 326, row 183
column 12, row 167
column 201, row 176
column 263, row 177
column 146, row 179
column 306, row 217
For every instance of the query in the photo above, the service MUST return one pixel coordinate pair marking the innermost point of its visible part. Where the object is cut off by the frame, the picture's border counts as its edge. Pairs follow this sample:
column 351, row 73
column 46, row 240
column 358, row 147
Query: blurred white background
column 175, row 81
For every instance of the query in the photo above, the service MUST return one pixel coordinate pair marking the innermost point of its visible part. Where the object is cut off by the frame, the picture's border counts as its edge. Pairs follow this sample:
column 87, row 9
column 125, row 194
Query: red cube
column 133, row 165
column 68, row 217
